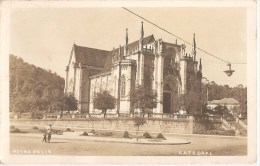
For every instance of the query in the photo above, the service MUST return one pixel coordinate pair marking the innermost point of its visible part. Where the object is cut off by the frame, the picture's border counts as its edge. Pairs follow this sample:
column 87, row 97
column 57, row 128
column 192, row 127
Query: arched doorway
column 167, row 99
column 171, row 97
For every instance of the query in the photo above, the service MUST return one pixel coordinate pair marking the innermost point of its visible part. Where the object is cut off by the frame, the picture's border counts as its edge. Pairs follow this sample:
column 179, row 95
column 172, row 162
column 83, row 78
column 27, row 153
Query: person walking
column 44, row 136
column 49, row 137
column 49, row 133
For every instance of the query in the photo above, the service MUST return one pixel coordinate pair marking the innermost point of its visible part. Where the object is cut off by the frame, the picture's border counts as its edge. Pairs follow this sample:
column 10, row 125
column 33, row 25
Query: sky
column 45, row 36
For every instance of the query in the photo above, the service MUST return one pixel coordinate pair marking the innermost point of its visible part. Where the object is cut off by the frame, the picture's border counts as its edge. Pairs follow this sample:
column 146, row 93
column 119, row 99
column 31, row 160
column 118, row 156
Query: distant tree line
column 217, row 92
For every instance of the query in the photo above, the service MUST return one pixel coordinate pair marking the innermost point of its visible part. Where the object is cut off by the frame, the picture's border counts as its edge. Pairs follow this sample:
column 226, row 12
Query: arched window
column 123, row 86
column 167, row 88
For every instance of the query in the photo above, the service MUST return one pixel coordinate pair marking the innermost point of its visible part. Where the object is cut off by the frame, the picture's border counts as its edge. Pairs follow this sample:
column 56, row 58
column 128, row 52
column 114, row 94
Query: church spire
column 126, row 37
column 142, row 30
column 126, row 43
column 194, row 47
column 200, row 66
column 141, row 38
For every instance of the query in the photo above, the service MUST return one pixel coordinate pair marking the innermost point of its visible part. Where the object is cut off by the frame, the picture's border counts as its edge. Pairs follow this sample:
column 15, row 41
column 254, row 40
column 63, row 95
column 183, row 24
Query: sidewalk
column 77, row 136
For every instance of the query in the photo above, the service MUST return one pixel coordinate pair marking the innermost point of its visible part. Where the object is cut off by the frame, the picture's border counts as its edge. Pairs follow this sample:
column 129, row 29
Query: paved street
column 200, row 145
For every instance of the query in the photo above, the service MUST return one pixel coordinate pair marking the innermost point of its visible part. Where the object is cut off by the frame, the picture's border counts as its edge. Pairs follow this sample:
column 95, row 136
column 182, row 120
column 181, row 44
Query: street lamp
column 229, row 72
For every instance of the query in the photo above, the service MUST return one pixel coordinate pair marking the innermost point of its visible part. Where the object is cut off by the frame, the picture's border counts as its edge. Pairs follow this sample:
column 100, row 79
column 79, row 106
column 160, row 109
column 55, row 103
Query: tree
column 143, row 98
column 104, row 101
column 192, row 103
column 67, row 103
column 138, row 121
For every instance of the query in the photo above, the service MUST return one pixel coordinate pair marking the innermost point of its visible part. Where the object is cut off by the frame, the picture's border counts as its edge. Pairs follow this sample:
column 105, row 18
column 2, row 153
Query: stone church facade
column 165, row 67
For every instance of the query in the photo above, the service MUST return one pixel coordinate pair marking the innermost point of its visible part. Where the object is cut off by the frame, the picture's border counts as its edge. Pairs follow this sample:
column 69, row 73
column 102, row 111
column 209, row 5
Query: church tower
column 141, row 57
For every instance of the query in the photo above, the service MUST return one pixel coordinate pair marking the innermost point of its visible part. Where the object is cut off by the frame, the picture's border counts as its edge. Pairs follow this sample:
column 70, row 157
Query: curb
column 113, row 141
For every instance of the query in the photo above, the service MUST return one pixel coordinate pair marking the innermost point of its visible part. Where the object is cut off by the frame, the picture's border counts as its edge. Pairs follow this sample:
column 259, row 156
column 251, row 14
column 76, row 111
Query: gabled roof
column 224, row 101
column 90, row 56
column 103, row 58
column 146, row 40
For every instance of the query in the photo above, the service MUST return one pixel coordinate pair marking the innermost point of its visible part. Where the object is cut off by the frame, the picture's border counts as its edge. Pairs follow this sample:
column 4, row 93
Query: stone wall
column 203, row 127
column 181, row 126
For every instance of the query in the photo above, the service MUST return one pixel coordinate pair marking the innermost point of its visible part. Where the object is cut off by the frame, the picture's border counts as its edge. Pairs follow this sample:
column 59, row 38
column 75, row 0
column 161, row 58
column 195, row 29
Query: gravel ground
column 200, row 145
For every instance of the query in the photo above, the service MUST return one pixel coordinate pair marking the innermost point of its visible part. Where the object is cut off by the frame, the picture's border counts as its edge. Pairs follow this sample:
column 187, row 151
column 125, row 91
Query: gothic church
column 164, row 67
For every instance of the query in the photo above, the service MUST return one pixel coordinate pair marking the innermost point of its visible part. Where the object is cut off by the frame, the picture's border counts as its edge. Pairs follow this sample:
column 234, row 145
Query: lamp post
column 205, row 81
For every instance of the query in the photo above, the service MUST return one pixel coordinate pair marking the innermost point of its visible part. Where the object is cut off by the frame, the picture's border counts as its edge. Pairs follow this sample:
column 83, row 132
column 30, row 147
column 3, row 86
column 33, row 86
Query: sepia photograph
column 106, row 80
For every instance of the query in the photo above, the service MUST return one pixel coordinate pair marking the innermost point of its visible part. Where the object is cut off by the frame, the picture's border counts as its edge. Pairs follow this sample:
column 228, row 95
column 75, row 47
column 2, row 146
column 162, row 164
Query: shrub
column 69, row 130
column 15, row 130
column 126, row 134
column 12, row 127
column 160, row 136
column 36, row 128
column 85, row 133
column 147, row 135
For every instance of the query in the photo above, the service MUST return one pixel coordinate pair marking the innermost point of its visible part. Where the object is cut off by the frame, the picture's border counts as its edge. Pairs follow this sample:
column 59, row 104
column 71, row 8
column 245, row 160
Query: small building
column 230, row 103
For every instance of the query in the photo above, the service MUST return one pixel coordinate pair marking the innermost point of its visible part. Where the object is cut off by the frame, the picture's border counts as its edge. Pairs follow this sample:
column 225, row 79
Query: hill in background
column 32, row 88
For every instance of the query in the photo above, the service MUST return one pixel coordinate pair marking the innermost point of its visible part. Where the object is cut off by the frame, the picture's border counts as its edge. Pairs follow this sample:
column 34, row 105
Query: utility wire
column 177, row 36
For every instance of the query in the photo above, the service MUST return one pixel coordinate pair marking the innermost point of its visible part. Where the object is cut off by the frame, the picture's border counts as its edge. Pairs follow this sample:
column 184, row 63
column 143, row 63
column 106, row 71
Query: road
column 200, row 145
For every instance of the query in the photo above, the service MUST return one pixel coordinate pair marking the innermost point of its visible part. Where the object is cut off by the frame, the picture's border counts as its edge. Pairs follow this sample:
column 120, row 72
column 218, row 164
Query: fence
column 108, row 115
column 195, row 118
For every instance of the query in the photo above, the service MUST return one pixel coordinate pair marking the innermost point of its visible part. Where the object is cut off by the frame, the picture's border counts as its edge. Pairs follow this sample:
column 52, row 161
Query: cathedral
column 165, row 67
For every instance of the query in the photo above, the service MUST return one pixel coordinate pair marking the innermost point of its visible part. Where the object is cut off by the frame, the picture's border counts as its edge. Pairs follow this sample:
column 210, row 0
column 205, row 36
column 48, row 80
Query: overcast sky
column 44, row 37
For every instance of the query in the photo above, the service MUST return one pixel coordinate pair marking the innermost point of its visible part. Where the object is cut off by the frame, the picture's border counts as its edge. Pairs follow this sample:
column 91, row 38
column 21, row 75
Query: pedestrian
column 44, row 136
column 48, row 128
column 181, row 112
column 49, row 137
column 49, row 133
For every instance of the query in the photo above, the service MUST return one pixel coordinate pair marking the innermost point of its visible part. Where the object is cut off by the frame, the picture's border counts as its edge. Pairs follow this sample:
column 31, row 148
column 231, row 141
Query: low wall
column 182, row 126
column 203, row 127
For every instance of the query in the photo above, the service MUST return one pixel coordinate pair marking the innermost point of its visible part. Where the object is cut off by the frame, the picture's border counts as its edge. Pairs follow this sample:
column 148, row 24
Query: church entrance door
column 167, row 102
